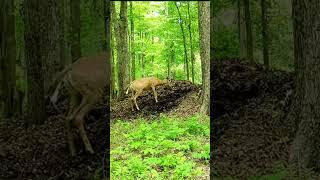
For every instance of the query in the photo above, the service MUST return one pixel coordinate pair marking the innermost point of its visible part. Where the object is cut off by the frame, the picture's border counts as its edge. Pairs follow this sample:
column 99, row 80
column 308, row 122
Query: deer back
column 88, row 75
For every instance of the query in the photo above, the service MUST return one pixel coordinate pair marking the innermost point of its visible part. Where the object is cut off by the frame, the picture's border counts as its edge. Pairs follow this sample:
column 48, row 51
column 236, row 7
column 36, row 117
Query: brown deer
column 85, row 81
column 139, row 85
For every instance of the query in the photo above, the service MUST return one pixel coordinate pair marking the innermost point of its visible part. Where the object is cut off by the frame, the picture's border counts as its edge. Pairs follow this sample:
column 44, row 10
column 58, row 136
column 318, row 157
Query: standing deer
column 139, row 85
column 85, row 81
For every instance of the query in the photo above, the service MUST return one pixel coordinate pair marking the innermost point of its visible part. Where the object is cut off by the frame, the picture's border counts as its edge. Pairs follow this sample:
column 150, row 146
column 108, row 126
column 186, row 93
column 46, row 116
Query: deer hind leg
column 85, row 107
column 155, row 93
column 135, row 98
column 74, row 102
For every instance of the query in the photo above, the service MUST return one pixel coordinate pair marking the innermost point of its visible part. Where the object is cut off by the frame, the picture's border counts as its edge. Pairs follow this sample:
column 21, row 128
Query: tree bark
column 123, row 49
column 204, row 34
column 7, row 56
column 75, row 29
column 184, row 42
column 306, row 146
column 265, row 38
column 114, row 25
column 191, row 47
column 34, row 10
column 50, row 40
column 62, row 25
column 133, row 63
column 242, row 30
column 248, row 31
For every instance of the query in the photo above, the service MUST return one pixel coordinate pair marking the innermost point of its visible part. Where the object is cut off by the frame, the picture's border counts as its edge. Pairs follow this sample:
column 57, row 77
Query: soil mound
column 250, row 134
column 169, row 96
column 40, row 152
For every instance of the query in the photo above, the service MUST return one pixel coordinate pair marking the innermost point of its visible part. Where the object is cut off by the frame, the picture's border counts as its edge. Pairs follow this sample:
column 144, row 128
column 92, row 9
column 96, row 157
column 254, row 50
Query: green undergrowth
column 162, row 148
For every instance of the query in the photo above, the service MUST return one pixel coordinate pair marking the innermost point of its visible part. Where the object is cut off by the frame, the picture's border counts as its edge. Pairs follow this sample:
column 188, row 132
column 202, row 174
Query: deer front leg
column 155, row 93
column 71, row 146
column 136, row 96
column 131, row 100
column 74, row 102
column 79, row 119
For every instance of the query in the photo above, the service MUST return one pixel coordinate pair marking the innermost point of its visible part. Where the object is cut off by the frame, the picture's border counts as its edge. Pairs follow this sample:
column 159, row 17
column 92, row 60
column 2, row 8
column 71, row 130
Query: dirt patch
column 169, row 97
column 250, row 133
column 40, row 152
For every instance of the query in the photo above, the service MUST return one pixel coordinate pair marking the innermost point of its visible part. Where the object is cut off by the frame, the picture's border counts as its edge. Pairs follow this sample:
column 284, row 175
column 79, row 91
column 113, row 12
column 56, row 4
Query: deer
column 85, row 80
column 139, row 85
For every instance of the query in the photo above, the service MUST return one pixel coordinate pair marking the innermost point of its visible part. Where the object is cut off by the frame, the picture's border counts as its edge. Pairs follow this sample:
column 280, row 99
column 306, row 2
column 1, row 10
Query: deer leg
column 136, row 96
column 155, row 93
column 79, row 120
column 74, row 101
column 131, row 100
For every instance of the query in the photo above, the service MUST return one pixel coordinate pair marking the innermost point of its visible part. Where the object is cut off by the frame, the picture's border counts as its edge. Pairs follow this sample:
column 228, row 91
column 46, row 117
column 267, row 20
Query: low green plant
column 167, row 147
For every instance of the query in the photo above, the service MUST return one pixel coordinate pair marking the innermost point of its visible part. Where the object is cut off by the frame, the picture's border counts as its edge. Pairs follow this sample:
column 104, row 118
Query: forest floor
column 252, row 129
column 251, row 133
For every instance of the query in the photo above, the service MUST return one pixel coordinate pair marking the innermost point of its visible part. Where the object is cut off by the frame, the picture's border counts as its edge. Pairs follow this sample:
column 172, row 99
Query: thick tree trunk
column 62, row 25
column 113, row 25
column 191, row 47
column 306, row 146
column 184, row 42
column 123, row 49
column 7, row 56
column 204, row 35
column 242, row 30
column 75, row 29
column 133, row 63
column 248, row 30
column 34, row 23
column 50, row 40
column 265, row 38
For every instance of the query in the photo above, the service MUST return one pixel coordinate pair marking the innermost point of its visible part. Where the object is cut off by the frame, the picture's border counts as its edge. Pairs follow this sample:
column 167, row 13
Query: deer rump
column 85, row 81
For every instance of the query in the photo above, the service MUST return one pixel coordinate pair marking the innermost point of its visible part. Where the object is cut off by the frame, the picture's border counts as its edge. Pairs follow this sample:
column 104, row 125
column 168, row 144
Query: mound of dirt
column 40, row 152
column 249, row 133
column 234, row 81
column 169, row 96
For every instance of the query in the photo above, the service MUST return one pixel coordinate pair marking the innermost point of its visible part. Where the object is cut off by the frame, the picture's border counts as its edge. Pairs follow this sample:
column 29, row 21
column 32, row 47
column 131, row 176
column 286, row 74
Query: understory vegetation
column 162, row 148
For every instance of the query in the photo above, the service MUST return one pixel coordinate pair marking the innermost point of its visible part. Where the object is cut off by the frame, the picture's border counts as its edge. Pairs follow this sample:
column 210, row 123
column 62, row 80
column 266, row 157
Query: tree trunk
column 62, row 25
column 204, row 35
column 184, row 41
column 133, row 63
column 248, row 31
column 306, row 146
column 51, row 40
column 34, row 27
column 265, row 38
column 7, row 56
column 113, row 24
column 75, row 29
column 242, row 30
column 123, row 49
column 191, row 47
